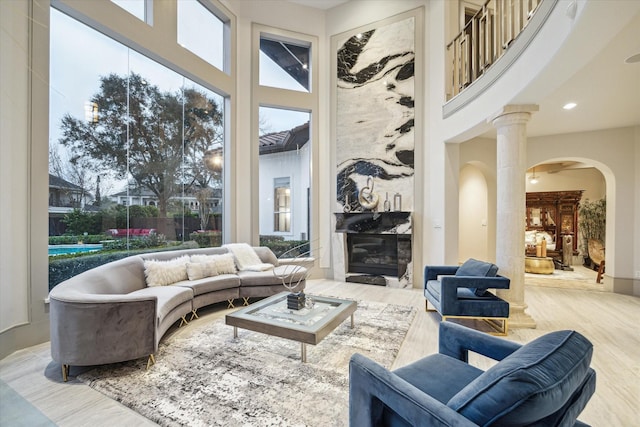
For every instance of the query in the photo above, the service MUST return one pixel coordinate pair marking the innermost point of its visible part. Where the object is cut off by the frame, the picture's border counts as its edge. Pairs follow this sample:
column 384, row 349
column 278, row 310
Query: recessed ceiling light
column 570, row 106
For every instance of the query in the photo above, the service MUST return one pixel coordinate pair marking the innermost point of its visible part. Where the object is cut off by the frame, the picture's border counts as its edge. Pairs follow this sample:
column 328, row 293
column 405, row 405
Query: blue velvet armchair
column 462, row 292
column 546, row 382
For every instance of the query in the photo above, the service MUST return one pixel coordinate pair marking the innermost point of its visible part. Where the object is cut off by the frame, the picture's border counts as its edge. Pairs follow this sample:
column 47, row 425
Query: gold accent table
column 535, row 265
column 307, row 325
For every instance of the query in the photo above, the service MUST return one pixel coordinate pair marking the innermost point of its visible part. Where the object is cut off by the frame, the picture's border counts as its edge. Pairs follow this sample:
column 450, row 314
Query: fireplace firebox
column 375, row 254
column 377, row 247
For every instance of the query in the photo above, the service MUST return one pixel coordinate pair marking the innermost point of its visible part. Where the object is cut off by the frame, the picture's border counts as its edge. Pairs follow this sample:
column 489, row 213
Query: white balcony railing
column 485, row 38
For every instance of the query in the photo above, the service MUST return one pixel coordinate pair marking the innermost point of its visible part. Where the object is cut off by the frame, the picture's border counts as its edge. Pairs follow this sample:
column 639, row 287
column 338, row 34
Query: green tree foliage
column 157, row 138
column 79, row 222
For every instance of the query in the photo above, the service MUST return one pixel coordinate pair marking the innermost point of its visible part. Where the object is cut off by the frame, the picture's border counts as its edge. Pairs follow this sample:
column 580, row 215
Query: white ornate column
column 511, row 124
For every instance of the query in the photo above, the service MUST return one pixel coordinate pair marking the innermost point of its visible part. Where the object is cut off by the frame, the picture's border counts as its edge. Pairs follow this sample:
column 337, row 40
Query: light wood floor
column 609, row 320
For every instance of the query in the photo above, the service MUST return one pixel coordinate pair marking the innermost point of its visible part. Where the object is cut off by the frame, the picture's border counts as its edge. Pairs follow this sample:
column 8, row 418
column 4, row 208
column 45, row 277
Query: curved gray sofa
column 108, row 314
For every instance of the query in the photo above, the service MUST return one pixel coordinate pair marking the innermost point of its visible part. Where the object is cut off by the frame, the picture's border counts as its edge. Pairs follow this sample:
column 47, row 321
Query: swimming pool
column 73, row 249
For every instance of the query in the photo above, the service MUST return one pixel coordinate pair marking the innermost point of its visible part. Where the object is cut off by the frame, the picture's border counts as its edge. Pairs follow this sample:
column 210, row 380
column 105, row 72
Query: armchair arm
column 372, row 387
column 456, row 341
column 431, row 272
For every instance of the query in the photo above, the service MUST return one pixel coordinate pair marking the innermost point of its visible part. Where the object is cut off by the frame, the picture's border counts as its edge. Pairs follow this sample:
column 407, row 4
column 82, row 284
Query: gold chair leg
column 183, row 321
column 193, row 315
column 65, row 373
column 426, row 306
column 151, row 361
column 230, row 301
column 246, row 301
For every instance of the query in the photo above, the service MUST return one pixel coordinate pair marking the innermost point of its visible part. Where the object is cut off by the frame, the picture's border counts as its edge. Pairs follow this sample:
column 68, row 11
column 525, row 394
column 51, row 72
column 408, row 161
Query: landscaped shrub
column 64, row 267
column 207, row 239
column 79, row 222
column 73, row 240
column 150, row 241
column 287, row 248
column 266, row 240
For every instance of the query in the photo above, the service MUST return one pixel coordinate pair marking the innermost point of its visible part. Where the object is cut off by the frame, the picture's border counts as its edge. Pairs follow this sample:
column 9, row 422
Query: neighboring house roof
column 137, row 191
column 59, row 183
column 287, row 140
column 145, row 192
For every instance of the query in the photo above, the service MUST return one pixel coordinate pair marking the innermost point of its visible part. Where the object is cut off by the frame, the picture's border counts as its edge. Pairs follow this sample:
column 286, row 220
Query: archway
column 476, row 207
column 564, row 174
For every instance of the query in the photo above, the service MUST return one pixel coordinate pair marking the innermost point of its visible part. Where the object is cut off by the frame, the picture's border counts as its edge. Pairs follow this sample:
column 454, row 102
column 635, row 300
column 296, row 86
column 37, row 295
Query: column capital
column 512, row 114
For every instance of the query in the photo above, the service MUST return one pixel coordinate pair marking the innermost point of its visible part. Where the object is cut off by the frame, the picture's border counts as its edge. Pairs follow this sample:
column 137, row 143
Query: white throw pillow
column 203, row 258
column 200, row 270
column 245, row 257
column 162, row 273
column 225, row 264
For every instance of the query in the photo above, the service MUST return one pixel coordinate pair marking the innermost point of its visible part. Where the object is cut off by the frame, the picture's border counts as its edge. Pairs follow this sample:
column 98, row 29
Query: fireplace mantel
column 374, row 222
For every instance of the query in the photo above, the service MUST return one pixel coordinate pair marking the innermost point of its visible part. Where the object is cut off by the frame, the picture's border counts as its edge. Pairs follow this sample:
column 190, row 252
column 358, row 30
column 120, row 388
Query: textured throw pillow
column 225, row 264
column 473, row 267
column 162, row 273
column 244, row 255
column 203, row 258
column 200, row 270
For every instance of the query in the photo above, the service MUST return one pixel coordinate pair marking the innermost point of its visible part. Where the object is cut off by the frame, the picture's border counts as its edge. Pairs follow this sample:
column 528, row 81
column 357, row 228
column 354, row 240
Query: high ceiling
column 320, row 4
column 606, row 89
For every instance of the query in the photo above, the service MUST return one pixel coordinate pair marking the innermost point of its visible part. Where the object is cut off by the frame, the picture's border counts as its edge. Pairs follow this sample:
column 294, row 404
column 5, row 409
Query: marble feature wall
column 375, row 115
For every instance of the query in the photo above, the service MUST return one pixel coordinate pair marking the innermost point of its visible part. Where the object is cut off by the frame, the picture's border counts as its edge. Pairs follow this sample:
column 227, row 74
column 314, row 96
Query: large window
column 284, row 146
column 201, row 32
column 136, row 150
column 135, row 7
column 285, row 64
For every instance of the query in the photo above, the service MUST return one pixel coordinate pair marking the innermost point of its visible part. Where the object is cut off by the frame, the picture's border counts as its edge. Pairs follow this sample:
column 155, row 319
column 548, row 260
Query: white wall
column 590, row 180
column 474, row 215
column 14, row 164
column 23, row 247
column 294, row 165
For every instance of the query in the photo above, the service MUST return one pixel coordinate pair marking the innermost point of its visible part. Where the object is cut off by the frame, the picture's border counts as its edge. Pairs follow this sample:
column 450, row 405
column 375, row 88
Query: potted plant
column 592, row 218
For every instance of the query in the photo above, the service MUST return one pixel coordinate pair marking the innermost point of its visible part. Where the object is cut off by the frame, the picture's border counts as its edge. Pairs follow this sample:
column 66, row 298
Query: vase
column 387, row 203
column 397, row 202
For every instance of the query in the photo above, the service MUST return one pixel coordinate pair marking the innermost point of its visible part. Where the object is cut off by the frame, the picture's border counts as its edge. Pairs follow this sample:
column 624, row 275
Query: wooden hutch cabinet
column 554, row 213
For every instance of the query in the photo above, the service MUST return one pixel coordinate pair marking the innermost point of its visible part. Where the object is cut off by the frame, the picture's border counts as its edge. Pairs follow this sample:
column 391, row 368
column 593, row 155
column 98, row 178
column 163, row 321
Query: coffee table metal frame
column 256, row 318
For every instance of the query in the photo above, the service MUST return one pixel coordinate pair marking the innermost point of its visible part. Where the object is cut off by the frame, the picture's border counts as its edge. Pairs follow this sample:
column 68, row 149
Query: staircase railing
column 485, row 38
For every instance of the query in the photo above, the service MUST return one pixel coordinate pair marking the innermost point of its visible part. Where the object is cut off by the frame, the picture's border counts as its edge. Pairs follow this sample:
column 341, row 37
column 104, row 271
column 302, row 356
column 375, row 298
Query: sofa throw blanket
column 246, row 258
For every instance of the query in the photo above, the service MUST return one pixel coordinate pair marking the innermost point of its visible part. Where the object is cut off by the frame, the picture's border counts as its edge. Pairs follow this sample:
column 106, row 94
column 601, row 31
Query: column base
column 519, row 319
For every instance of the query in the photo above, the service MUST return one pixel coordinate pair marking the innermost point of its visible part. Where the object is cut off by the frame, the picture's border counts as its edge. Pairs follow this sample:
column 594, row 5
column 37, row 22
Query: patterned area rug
column 211, row 379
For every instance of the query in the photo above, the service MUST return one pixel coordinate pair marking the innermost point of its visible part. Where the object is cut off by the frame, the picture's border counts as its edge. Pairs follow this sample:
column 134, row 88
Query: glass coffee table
column 307, row 325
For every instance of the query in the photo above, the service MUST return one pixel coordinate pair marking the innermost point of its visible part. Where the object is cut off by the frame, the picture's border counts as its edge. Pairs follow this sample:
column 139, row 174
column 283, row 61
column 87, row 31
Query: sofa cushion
column 169, row 297
column 473, row 267
column 199, row 270
column 531, row 383
column 211, row 284
column 453, row 375
column 266, row 255
column 287, row 273
column 162, row 273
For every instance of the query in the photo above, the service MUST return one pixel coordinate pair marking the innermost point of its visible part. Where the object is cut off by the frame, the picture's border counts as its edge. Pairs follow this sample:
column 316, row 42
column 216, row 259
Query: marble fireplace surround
column 373, row 223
